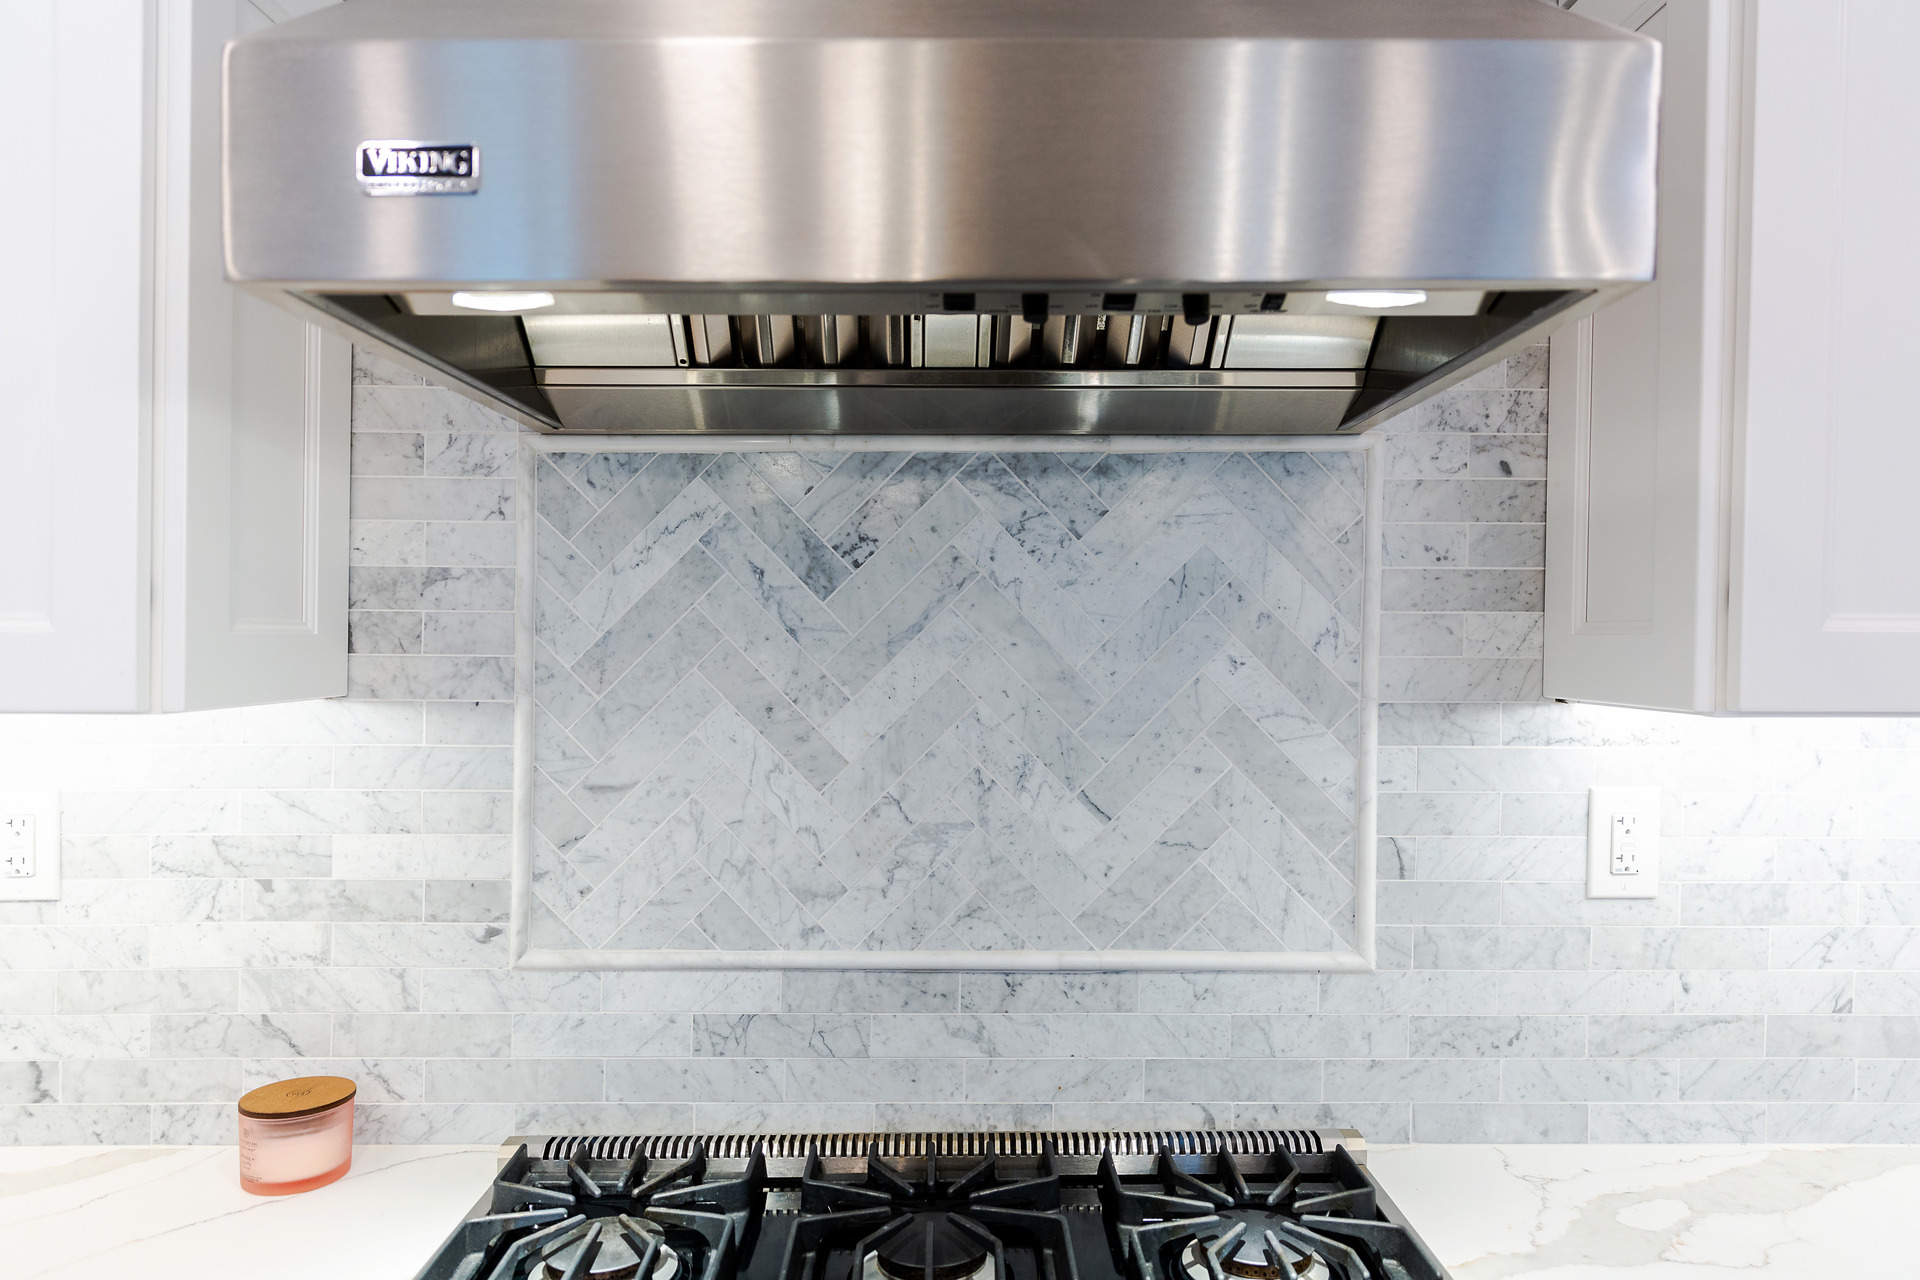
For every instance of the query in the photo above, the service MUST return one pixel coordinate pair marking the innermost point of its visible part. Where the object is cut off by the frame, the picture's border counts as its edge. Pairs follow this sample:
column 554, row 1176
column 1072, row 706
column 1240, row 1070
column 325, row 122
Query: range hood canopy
column 966, row 215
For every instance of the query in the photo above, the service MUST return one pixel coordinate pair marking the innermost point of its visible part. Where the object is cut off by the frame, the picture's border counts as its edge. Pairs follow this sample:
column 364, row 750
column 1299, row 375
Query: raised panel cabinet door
column 73, row 358
column 1636, row 410
column 173, row 453
column 254, row 439
column 1825, row 585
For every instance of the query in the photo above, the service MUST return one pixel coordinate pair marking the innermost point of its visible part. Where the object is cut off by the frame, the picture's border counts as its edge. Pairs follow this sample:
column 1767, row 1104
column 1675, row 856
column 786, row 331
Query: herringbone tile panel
column 891, row 702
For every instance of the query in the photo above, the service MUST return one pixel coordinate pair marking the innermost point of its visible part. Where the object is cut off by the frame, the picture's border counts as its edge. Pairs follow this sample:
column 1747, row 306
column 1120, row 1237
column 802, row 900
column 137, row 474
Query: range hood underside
column 1263, row 371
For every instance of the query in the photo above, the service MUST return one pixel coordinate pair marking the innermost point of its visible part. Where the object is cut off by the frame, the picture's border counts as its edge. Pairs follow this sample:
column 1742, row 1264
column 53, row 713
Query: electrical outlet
column 16, row 845
column 1623, row 842
column 29, row 846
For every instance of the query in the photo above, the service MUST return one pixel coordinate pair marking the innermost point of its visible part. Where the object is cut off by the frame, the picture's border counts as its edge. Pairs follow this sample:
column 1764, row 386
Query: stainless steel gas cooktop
column 1249, row 1204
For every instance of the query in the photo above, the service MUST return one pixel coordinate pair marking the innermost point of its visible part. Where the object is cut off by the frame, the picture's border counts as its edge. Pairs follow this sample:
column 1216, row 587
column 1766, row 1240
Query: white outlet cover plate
column 44, row 884
column 1603, row 804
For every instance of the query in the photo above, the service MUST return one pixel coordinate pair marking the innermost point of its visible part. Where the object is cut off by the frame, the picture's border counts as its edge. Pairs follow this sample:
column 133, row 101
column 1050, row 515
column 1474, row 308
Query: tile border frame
column 1358, row 959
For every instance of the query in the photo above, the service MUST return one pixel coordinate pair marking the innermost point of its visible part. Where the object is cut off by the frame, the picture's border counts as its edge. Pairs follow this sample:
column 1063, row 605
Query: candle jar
column 296, row 1135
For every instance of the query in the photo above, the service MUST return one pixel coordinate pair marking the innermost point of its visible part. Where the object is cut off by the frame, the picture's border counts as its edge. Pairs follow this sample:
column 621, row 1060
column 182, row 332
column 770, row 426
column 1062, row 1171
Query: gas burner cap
column 615, row 1261
column 1248, row 1260
column 870, row 1270
column 931, row 1246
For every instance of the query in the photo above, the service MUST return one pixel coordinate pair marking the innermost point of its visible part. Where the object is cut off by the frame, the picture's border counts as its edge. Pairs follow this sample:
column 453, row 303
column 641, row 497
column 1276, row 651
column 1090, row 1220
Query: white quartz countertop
column 178, row 1213
column 1570, row 1212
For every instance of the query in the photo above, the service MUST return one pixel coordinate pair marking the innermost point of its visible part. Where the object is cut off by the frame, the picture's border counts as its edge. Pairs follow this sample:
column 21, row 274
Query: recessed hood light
column 1373, row 298
column 510, row 300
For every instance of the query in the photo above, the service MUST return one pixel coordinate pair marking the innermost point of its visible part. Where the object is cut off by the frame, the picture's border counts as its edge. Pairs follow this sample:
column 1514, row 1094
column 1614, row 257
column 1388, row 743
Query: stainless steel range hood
column 953, row 215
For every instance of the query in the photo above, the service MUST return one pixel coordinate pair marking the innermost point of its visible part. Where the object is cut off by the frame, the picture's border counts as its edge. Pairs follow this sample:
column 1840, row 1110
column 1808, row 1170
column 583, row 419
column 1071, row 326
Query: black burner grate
column 557, row 1221
column 887, row 1226
column 1258, row 1219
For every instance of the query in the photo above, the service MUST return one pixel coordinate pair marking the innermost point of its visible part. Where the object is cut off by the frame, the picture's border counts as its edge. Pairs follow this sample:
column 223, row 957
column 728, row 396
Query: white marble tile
column 470, row 812
column 602, row 1035
column 873, row 1079
column 386, row 398
column 785, row 1117
column 1054, row 1080
column 110, row 902
column 1423, row 635
column 1154, row 1035
column 329, row 990
column 1025, row 580
column 1482, row 947
column 1438, row 902
column 467, row 542
column 695, row 1080
column 105, row 1080
column 1412, row 1080
column 242, row 1035
column 1448, row 589
column 92, row 1035
column 1413, row 813
column 1591, row 991
column 479, row 945
column 516, row 1080
column 436, row 856
column 1563, row 902
column 1845, row 948
column 439, row 498
column 73, row 947
column 1177, row 1080
column 30, row 1124
column 780, row 1035
column 1503, row 1036
column 960, row 1036
column 1678, row 1036
column 184, row 946
column 446, row 1124
column 422, row 1035
column 1321, row 1036
column 1499, row 1122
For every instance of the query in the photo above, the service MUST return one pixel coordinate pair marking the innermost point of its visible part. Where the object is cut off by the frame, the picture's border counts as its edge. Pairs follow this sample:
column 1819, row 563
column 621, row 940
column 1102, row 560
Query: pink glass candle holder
column 296, row 1135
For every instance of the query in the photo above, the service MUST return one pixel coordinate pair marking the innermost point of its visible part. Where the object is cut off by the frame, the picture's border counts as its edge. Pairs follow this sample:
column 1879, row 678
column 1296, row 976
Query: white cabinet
column 1731, row 522
column 173, row 454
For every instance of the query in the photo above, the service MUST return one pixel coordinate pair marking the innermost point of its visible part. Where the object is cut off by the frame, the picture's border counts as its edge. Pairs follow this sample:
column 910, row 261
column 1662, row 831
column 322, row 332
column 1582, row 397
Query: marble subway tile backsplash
column 321, row 887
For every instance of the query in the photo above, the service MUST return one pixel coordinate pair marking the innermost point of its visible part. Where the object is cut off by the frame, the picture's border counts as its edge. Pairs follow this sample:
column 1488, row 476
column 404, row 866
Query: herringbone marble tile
column 886, row 701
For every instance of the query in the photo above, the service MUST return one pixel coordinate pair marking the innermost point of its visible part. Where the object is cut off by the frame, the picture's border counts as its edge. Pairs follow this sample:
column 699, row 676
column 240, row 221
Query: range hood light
column 1375, row 299
column 507, row 300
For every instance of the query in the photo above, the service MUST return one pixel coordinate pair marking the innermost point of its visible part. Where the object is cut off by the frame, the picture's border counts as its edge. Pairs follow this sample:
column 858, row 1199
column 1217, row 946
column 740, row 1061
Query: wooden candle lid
column 285, row 1099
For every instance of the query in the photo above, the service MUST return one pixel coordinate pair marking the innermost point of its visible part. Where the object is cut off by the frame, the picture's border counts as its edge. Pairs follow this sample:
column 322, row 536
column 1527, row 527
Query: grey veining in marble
column 955, row 702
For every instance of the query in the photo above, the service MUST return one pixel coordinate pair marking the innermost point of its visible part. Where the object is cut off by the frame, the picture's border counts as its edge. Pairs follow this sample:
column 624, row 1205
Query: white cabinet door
column 1825, row 589
column 1636, row 412
column 1730, row 522
column 173, row 454
column 253, row 441
column 73, row 357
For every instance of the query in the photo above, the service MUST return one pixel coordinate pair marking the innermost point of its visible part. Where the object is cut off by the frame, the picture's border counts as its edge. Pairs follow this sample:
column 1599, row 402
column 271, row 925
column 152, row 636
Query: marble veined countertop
column 1569, row 1212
